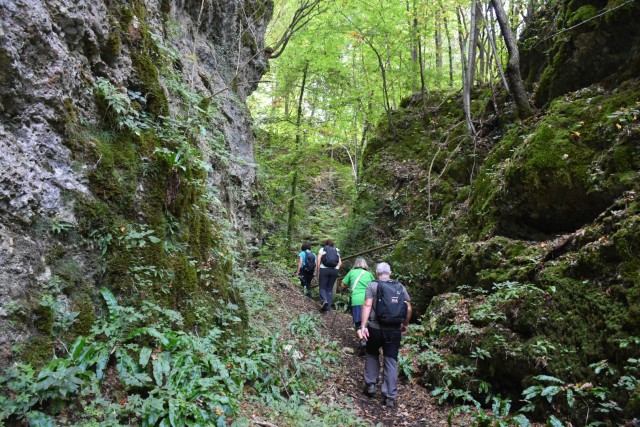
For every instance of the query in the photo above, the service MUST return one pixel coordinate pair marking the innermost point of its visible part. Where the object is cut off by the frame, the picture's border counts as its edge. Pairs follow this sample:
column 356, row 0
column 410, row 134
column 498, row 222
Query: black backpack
column 309, row 262
column 391, row 308
column 330, row 257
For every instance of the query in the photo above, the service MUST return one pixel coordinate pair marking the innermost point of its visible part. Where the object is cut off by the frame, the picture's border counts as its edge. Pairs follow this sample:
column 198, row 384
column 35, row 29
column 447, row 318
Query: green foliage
column 60, row 226
column 156, row 373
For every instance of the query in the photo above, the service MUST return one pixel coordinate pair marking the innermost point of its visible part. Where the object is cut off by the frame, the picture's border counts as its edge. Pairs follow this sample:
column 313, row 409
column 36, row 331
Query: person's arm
column 318, row 263
column 299, row 265
column 339, row 261
column 408, row 318
column 366, row 310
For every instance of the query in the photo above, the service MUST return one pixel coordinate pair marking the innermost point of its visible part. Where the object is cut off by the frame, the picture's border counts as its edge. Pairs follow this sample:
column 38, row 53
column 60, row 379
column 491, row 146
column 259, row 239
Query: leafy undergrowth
column 279, row 309
column 472, row 322
column 137, row 367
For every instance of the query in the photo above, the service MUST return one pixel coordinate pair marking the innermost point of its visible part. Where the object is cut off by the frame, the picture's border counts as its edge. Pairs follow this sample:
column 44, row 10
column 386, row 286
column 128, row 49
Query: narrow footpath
column 415, row 406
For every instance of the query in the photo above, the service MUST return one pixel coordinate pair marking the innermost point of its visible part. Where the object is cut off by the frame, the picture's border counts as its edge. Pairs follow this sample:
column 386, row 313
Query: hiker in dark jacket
column 379, row 333
column 328, row 263
column 306, row 267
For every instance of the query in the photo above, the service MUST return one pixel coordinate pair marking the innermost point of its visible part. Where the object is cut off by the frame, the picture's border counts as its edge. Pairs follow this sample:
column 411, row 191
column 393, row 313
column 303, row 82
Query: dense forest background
column 164, row 160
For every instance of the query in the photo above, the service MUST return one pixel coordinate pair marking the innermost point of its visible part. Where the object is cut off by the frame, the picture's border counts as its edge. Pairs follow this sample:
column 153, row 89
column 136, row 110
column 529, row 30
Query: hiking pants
column 328, row 277
column 305, row 281
column 389, row 340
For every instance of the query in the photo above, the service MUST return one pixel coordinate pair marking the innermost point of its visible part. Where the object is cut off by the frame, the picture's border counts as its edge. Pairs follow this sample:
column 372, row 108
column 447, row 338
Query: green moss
column 582, row 14
column 43, row 319
column 144, row 56
column 249, row 41
column 117, row 168
column 37, row 351
column 147, row 72
column 113, row 45
column 86, row 314
column 184, row 289
column 259, row 10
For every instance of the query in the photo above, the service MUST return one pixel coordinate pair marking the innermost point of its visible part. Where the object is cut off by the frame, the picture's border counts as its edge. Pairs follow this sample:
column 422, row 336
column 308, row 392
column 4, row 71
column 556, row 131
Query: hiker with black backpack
column 306, row 267
column 327, row 265
column 356, row 281
column 385, row 316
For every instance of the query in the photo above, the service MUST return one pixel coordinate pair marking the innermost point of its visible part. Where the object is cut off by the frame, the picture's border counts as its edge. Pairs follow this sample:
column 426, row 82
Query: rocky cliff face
column 125, row 147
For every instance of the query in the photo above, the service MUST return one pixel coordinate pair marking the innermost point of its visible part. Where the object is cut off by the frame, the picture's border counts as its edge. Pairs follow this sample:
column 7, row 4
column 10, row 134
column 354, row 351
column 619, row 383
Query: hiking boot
column 370, row 389
column 325, row 307
column 389, row 402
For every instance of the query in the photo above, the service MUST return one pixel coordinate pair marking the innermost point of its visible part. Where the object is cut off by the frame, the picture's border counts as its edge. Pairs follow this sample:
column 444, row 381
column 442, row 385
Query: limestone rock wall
column 52, row 52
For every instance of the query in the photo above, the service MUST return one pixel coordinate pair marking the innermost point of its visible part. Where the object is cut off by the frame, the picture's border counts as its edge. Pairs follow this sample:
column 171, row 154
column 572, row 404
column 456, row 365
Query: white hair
column 383, row 268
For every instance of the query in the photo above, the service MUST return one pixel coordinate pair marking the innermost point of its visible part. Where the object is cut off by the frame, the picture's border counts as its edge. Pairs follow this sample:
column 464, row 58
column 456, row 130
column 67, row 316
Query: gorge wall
column 126, row 159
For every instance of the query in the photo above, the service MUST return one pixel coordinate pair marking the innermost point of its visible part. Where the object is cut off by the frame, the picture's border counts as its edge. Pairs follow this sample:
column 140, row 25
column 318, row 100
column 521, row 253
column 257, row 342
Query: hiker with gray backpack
column 327, row 265
column 385, row 316
column 306, row 267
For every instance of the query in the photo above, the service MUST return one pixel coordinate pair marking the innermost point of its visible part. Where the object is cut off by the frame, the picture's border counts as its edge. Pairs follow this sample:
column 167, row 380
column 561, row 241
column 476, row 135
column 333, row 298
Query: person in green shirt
column 357, row 280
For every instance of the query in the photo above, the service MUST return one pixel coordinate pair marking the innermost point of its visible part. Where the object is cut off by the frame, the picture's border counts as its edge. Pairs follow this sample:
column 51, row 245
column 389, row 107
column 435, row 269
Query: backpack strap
column 356, row 282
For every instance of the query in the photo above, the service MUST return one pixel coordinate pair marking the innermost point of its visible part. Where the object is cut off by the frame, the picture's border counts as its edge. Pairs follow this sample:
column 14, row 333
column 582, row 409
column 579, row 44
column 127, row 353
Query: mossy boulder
column 558, row 174
column 573, row 44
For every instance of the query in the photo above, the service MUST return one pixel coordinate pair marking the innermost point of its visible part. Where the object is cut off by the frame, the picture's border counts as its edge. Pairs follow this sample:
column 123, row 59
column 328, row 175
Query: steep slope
column 127, row 159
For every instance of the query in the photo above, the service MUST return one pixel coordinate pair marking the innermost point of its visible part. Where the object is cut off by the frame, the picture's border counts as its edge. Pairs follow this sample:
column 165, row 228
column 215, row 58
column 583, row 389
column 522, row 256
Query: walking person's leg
column 356, row 313
column 372, row 360
column 323, row 280
column 390, row 349
column 332, row 275
column 307, row 289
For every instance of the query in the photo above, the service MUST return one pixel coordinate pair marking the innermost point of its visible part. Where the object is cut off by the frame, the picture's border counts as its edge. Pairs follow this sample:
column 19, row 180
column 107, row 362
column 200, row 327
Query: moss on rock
column 37, row 351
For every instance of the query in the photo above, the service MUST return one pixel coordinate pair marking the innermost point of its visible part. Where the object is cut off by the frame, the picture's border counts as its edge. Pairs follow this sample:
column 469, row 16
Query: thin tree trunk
column 294, row 180
column 468, row 66
column 385, row 90
column 492, row 39
column 513, row 65
column 416, row 53
column 450, row 49
column 438, row 40
column 480, row 45
column 423, row 87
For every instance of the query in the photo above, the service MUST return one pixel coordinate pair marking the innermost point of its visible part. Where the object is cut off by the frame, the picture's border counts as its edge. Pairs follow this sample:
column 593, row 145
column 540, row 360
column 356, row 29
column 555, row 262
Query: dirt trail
column 415, row 406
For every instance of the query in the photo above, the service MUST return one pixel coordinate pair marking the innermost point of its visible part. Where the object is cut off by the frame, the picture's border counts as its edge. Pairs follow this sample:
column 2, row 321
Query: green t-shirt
column 357, row 293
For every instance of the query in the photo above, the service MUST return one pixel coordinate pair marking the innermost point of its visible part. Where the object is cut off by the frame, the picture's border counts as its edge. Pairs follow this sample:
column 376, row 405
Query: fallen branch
column 369, row 250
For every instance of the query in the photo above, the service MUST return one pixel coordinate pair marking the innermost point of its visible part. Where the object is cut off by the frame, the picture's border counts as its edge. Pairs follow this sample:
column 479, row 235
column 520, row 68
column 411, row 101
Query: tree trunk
column 513, row 65
column 482, row 62
column 385, row 90
column 294, row 180
column 423, row 86
column 450, row 49
column 438, row 41
column 468, row 66
column 492, row 40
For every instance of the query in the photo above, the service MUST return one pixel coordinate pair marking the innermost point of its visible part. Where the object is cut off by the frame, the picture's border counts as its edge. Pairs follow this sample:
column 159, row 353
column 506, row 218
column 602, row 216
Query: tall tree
column 294, row 180
column 513, row 65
